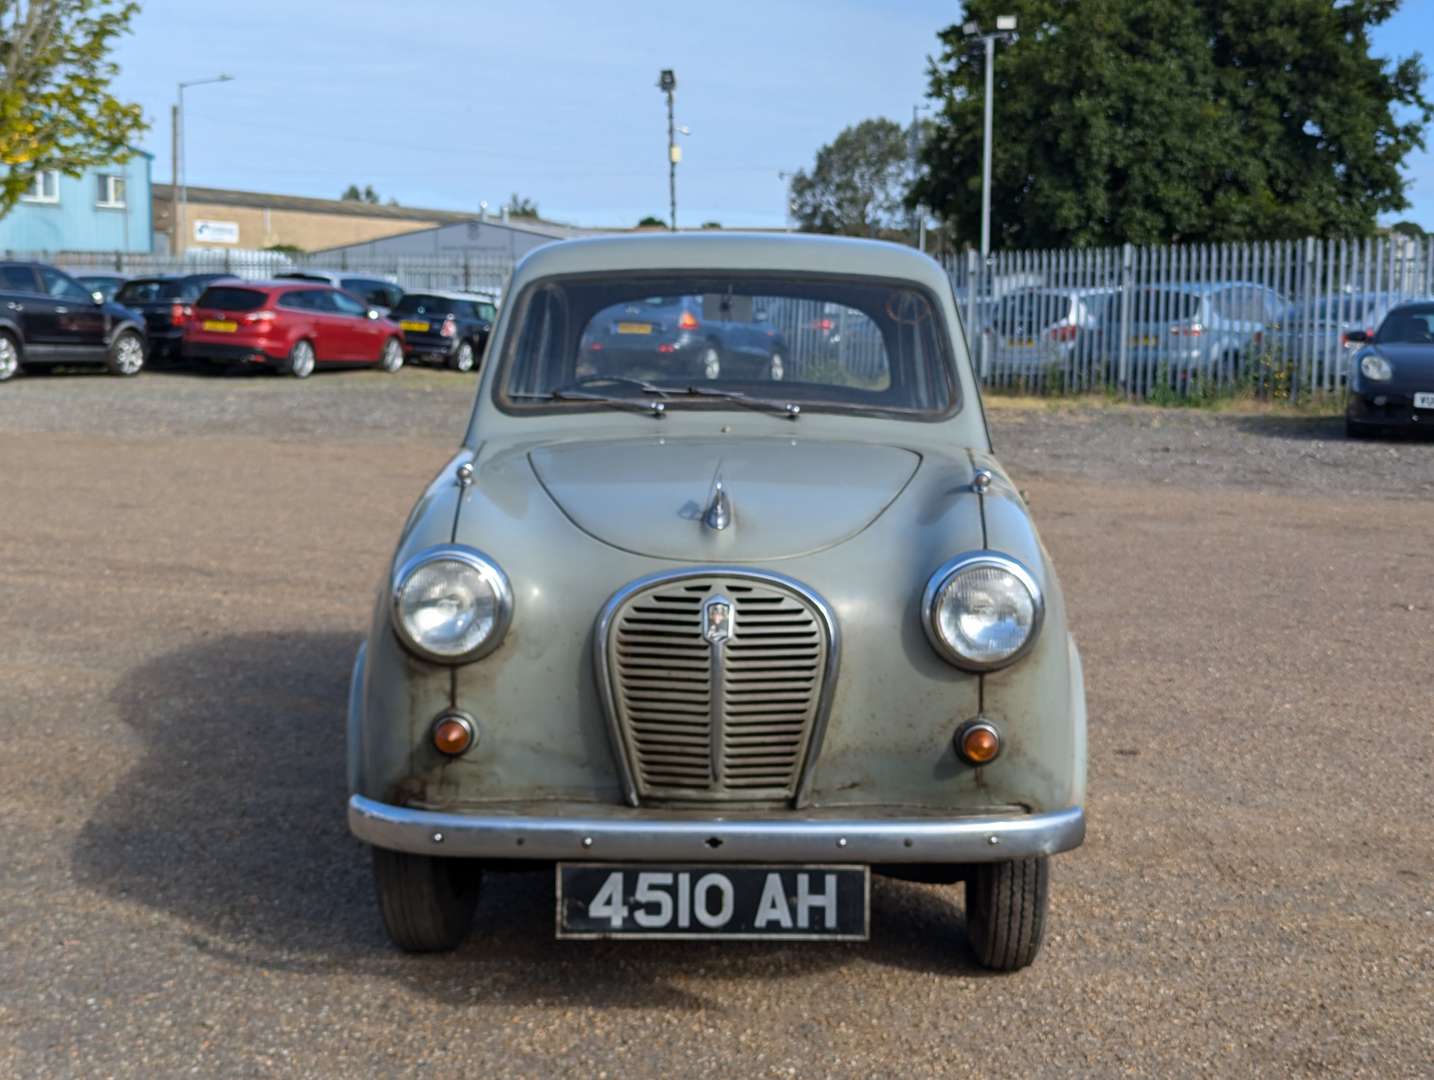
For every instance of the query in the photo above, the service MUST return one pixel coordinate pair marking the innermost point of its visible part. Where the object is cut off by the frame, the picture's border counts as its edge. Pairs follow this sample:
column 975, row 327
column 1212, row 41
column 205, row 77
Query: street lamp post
column 1005, row 32
column 918, row 225
column 667, row 83
column 179, row 194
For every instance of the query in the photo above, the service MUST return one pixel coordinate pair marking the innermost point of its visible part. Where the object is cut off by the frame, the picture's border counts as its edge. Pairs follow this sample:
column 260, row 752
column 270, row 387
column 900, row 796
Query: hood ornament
column 719, row 511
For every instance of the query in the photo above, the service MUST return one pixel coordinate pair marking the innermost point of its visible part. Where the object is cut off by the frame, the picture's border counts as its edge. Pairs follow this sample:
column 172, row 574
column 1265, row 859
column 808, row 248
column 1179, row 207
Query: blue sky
column 443, row 103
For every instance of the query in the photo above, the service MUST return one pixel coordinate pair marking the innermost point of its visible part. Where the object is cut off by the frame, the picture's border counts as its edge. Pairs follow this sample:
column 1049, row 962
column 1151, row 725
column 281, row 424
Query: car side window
column 296, row 301
column 18, row 279
column 63, row 287
column 345, row 304
column 321, row 300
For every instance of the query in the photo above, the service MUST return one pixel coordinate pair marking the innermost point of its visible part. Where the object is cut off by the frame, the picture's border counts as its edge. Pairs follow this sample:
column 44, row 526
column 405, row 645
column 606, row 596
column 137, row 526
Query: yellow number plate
column 634, row 328
column 220, row 326
column 1020, row 342
column 1142, row 341
column 414, row 324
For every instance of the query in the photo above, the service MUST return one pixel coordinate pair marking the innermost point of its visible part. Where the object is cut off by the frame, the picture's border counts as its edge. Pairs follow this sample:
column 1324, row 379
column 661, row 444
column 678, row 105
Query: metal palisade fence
column 458, row 271
column 1185, row 319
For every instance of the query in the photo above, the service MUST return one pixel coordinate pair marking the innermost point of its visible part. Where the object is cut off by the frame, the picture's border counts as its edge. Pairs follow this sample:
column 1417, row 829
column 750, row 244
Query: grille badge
column 717, row 619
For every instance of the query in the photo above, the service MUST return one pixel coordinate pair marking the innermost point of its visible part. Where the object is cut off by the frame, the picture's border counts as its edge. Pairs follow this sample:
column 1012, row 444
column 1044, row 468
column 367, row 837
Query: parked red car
column 290, row 325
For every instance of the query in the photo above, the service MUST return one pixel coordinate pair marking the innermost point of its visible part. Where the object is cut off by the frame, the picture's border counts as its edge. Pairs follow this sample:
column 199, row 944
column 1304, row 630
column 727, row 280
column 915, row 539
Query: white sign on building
column 216, row 232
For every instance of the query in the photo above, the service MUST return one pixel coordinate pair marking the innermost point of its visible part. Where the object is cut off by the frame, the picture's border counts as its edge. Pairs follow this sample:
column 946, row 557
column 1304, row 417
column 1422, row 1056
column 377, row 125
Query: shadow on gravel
column 1322, row 429
column 233, row 821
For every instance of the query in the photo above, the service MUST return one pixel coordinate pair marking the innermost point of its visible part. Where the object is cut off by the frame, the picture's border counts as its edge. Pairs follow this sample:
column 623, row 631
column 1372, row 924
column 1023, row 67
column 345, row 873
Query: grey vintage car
column 718, row 648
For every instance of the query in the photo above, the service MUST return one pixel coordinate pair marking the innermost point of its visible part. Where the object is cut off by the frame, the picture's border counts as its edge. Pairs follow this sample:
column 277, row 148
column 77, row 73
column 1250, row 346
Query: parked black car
column 446, row 327
column 695, row 336
column 1391, row 378
column 165, row 301
column 98, row 281
column 47, row 317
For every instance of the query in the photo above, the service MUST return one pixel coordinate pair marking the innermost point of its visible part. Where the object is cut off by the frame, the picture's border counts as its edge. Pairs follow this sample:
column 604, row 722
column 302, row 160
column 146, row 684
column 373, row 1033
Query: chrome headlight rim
column 1384, row 369
column 939, row 581
column 492, row 575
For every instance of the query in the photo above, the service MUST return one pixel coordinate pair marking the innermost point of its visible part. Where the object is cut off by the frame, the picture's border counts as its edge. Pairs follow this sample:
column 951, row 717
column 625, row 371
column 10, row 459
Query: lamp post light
column 179, row 195
column 667, row 83
column 1005, row 33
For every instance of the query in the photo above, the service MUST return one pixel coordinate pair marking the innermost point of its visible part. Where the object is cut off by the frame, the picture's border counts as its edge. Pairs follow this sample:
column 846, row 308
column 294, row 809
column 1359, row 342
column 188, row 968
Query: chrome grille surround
column 717, row 682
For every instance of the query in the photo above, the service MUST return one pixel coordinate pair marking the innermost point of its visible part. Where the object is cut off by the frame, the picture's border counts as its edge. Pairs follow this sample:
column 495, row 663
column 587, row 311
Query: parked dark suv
column 47, row 317
column 166, row 302
column 445, row 327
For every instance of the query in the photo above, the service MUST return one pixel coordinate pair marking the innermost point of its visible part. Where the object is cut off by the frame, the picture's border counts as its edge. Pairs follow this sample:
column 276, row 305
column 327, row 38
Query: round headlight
column 451, row 604
column 981, row 611
column 1375, row 367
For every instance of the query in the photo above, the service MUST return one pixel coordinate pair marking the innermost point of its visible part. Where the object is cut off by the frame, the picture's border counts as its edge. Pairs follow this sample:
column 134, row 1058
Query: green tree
column 858, row 183
column 518, row 206
column 56, row 111
column 651, row 221
column 1411, row 229
column 353, row 193
column 1151, row 121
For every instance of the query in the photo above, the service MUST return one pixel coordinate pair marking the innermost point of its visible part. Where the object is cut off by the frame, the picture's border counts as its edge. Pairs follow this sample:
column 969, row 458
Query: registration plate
column 220, row 326
column 1424, row 401
column 634, row 328
column 601, row 900
column 1142, row 341
column 417, row 325
column 1020, row 342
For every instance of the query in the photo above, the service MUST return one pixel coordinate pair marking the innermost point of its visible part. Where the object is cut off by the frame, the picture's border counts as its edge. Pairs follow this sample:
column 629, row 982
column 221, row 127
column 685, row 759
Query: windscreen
column 830, row 342
column 1407, row 326
column 229, row 298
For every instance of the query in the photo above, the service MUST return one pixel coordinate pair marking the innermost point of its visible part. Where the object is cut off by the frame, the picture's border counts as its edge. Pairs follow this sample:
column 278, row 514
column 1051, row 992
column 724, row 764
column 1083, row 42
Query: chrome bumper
column 651, row 837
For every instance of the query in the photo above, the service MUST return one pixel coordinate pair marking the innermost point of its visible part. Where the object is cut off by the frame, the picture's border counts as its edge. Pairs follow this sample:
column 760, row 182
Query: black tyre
column 126, row 355
column 427, row 903
column 9, row 356
column 301, row 359
column 463, row 357
column 1354, row 429
column 1006, row 911
column 390, row 359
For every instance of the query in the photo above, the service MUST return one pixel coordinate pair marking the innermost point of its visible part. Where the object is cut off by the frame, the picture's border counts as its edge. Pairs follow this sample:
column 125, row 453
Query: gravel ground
column 188, row 565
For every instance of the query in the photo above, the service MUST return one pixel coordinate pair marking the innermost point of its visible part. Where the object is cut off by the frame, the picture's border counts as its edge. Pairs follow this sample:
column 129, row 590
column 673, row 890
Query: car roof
column 270, row 286
column 445, row 294
column 759, row 252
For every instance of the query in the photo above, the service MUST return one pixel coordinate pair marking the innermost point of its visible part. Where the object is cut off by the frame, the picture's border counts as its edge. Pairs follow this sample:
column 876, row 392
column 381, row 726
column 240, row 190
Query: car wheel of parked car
column 462, row 360
column 391, row 359
column 709, row 362
column 427, row 903
column 126, row 353
column 1006, row 911
column 301, row 360
column 777, row 368
column 9, row 357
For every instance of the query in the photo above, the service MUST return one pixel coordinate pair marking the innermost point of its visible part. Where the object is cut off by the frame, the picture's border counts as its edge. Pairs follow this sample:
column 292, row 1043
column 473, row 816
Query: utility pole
column 181, row 224
column 667, row 83
column 1005, row 33
column 174, row 179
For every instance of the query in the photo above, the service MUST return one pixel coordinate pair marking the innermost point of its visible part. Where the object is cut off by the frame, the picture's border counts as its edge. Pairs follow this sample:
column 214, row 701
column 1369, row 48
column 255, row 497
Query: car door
column 331, row 342
column 80, row 325
column 24, row 303
column 363, row 335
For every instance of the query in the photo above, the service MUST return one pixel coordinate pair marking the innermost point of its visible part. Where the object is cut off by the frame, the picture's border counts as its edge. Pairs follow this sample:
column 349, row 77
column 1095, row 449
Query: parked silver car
column 1315, row 333
column 1028, row 331
column 1209, row 329
column 718, row 648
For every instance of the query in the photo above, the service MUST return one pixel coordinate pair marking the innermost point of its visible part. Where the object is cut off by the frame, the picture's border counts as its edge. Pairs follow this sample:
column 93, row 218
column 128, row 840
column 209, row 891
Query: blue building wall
column 77, row 223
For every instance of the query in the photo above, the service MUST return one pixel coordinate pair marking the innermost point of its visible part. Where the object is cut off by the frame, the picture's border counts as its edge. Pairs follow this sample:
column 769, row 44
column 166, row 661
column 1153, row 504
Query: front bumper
column 656, row 836
column 1369, row 404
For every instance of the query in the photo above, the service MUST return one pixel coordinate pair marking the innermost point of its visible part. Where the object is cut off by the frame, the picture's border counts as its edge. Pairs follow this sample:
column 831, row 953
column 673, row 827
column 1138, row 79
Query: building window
column 111, row 190
column 45, row 187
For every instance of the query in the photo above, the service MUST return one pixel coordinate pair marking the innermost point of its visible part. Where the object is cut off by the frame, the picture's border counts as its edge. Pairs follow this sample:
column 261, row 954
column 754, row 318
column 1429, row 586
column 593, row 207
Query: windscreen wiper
column 788, row 409
column 656, row 409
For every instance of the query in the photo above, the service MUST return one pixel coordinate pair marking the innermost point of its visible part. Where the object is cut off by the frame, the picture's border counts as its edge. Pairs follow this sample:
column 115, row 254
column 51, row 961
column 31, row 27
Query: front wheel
column 126, row 355
column 391, row 359
column 1006, row 911
column 462, row 358
column 9, row 357
column 301, row 360
column 426, row 902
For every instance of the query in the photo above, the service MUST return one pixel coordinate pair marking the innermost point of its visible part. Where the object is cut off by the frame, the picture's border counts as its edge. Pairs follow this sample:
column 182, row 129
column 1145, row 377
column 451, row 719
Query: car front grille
column 717, row 684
